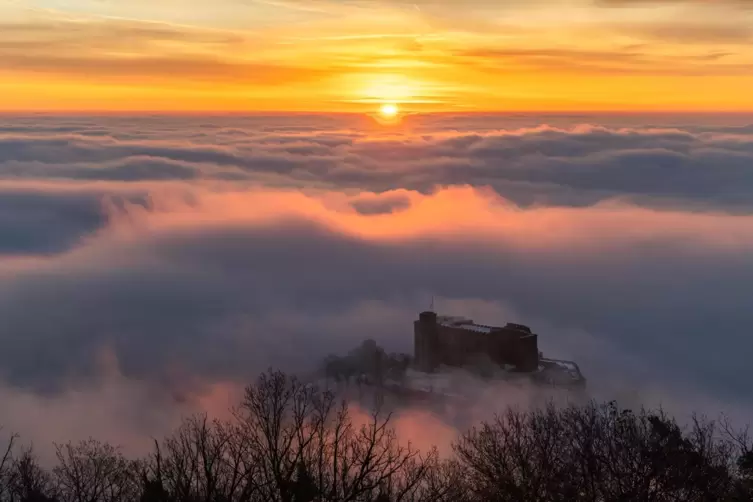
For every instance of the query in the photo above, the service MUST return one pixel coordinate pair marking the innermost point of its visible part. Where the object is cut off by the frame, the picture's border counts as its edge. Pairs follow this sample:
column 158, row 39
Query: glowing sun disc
column 389, row 110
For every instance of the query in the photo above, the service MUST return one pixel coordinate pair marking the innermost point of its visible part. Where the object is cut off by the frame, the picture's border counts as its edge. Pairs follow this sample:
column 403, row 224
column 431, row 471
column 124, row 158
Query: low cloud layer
column 626, row 248
column 566, row 164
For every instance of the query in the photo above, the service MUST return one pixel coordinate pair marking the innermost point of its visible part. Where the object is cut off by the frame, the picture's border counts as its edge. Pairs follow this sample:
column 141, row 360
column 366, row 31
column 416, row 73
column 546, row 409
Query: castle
column 459, row 342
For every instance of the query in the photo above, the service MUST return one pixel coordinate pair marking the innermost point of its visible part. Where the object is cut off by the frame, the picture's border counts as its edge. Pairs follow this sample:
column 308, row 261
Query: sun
column 389, row 110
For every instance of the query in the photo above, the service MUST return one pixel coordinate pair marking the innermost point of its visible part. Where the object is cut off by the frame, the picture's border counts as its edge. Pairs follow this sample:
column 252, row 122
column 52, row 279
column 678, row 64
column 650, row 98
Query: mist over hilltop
column 161, row 263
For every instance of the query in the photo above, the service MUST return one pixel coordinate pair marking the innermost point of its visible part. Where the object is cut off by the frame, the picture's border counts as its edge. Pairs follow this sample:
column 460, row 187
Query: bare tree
column 741, row 444
column 594, row 453
column 29, row 482
column 518, row 456
column 6, row 460
column 90, row 471
column 291, row 442
column 202, row 461
column 306, row 447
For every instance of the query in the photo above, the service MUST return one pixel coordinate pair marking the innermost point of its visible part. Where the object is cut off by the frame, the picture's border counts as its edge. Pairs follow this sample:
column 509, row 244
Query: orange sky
column 353, row 55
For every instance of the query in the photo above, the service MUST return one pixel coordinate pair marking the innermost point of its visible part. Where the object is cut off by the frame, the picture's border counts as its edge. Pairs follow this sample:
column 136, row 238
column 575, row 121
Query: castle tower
column 426, row 341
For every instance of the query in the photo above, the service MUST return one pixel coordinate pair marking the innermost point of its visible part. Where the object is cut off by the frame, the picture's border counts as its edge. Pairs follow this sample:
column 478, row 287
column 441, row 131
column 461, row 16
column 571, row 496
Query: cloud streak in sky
column 430, row 55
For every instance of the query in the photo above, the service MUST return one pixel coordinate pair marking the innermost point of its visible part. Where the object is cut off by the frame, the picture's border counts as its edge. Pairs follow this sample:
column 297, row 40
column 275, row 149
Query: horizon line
column 370, row 113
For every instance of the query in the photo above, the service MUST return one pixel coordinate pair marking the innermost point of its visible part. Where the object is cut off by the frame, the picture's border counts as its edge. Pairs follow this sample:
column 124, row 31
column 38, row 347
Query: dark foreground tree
column 29, row 482
column 91, row 471
column 202, row 461
column 307, row 446
column 6, row 461
column 292, row 442
column 742, row 443
column 595, row 453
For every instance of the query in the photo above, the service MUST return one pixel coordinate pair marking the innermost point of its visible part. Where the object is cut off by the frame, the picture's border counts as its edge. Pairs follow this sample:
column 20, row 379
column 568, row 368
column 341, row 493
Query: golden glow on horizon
column 389, row 110
column 330, row 55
